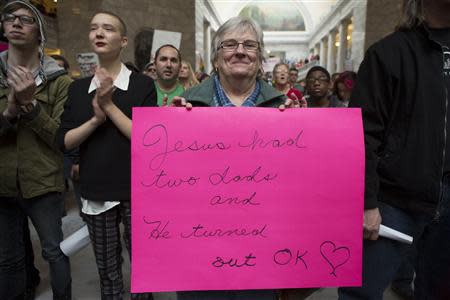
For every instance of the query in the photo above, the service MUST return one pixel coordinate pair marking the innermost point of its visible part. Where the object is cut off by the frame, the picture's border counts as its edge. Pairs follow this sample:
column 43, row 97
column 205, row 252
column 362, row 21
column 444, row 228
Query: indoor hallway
column 85, row 282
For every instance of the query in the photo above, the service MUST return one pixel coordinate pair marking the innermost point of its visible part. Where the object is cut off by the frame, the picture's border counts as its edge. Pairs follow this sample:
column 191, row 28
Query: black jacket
column 402, row 93
column 105, row 156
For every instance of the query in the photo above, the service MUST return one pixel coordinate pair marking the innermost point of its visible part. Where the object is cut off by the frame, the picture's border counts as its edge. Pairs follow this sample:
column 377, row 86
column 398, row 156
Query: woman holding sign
column 97, row 118
column 237, row 55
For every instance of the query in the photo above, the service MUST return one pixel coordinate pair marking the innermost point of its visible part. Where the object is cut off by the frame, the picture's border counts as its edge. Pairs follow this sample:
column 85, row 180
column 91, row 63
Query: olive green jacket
column 29, row 157
column 203, row 94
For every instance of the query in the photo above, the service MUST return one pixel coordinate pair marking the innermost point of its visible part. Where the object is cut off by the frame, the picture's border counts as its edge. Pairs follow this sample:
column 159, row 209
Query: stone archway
column 235, row 7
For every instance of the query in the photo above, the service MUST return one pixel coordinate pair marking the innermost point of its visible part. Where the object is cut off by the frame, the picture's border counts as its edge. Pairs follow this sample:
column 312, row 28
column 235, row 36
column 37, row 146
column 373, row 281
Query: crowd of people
column 53, row 128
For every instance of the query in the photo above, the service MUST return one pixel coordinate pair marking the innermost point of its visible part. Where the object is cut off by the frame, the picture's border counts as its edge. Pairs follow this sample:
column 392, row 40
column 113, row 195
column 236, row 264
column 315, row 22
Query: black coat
column 105, row 156
column 402, row 93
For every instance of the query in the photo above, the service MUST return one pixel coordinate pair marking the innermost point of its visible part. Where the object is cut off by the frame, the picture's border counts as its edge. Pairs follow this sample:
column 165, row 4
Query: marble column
column 330, row 56
column 322, row 54
column 207, row 48
column 342, row 46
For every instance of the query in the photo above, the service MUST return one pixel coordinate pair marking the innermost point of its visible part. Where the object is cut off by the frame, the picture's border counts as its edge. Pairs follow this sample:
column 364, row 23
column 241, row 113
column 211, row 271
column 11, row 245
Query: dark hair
column 122, row 27
column 202, row 76
column 130, row 66
column 12, row 6
column 168, row 45
column 293, row 69
column 319, row 68
column 348, row 78
column 63, row 59
column 147, row 65
column 143, row 43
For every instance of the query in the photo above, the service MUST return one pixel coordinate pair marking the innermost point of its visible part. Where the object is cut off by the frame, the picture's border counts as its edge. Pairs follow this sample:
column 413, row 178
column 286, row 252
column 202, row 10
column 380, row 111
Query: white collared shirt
column 122, row 80
column 94, row 207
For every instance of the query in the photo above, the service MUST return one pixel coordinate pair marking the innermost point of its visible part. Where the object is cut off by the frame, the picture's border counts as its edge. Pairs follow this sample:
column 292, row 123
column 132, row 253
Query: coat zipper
column 441, row 184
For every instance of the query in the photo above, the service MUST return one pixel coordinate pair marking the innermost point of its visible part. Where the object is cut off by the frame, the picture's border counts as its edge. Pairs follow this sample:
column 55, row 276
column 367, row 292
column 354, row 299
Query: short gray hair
column 240, row 25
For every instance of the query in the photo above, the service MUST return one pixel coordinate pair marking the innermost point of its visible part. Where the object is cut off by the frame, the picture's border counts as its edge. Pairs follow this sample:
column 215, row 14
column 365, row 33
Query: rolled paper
column 76, row 241
column 396, row 235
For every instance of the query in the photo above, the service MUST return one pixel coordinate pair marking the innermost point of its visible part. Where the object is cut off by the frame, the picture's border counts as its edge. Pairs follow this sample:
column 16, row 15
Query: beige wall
column 175, row 15
column 382, row 18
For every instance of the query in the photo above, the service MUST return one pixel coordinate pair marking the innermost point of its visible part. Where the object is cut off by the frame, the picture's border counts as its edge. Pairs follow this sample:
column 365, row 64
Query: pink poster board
column 246, row 198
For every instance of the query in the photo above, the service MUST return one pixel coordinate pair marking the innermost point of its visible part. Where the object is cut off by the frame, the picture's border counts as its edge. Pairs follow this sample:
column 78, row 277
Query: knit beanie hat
column 40, row 21
column 36, row 14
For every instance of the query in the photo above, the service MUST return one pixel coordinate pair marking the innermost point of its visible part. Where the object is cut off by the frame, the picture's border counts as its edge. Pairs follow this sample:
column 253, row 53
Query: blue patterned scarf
column 221, row 99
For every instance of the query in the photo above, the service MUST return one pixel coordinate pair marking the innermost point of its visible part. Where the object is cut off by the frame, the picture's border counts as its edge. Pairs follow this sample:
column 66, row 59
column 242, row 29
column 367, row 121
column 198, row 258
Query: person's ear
column 124, row 42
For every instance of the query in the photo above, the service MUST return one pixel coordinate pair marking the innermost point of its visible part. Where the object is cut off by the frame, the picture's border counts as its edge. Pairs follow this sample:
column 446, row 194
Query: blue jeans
column 12, row 249
column 383, row 257
column 33, row 277
column 228, row 295
column 405, row 274
column 45, row 213
column 433, row 267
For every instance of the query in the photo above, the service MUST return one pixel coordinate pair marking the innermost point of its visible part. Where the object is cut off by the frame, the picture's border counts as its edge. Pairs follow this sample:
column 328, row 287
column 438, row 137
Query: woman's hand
column 293, row 102
column 99, row 115
column 178, row 101
column 105, row 88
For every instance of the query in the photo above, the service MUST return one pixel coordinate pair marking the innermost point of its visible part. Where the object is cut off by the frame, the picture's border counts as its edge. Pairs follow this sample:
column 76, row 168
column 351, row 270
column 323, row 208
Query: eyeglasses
column 24, row 19
column 312, row 80
column 231, row 45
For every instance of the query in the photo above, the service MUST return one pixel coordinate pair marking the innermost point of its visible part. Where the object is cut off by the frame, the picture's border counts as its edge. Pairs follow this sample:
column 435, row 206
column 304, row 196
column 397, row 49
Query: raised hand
column 22, row 82
column 292, row 102
column 99, row 115
column 165, row 100
column 178, row 101
column 105, row 87
column 12, row 110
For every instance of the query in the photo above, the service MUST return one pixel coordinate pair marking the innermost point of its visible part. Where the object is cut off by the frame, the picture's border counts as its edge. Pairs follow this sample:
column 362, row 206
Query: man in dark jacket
column 33, row 89
column 402, row 89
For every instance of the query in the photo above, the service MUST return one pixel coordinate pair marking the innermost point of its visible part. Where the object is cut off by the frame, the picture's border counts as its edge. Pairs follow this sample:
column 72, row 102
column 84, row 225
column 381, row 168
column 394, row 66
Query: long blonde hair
column 191, row 80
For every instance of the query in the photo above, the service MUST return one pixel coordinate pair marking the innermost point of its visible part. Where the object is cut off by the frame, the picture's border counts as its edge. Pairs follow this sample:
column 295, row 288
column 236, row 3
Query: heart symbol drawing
column 334, row 256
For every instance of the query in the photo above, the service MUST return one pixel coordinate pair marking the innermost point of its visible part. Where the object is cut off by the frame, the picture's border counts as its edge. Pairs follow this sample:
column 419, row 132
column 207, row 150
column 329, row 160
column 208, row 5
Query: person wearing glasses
column 33, row 90
column 237, row 55
column 318, row 82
